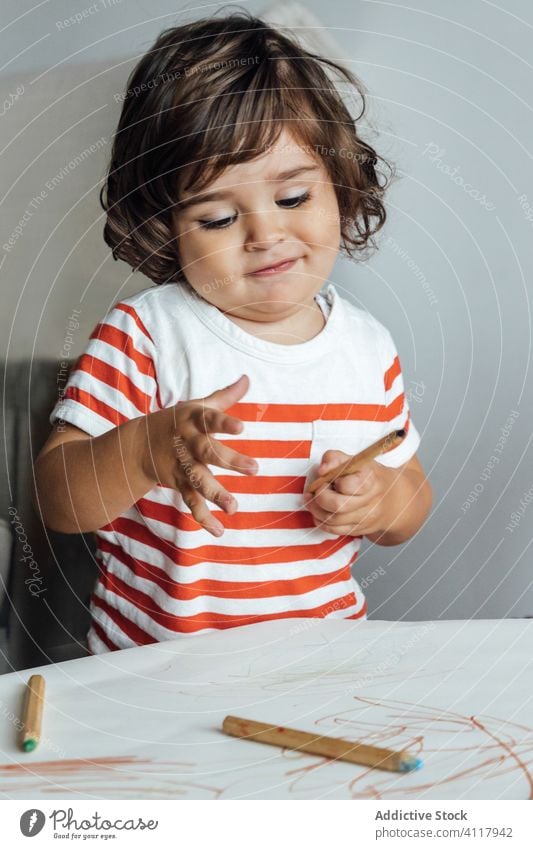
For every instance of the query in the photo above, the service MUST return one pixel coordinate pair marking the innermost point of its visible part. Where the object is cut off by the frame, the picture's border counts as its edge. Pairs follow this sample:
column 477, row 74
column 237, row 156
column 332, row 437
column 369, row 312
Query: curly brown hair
column 214, row 93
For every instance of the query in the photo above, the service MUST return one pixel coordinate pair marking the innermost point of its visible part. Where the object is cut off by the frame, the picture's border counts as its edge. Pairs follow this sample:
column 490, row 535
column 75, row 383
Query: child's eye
column 297, row 201
column 222, row 223
column 218, row 224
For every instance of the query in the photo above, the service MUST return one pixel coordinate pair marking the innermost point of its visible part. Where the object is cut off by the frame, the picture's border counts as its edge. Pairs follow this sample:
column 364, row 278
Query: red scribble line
column 512, row 754
column 40, row 767
column 441, row 722
column 182, row 789
column 84, row 764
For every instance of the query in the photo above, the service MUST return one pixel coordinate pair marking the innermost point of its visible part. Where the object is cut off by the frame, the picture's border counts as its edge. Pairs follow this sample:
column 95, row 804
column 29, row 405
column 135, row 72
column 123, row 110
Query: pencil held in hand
column 355, row 463
column 326, row 747
column 33, row 713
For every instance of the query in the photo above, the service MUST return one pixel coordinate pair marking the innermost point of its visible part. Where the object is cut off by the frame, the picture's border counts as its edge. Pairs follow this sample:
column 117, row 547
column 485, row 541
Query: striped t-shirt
column 160, row 573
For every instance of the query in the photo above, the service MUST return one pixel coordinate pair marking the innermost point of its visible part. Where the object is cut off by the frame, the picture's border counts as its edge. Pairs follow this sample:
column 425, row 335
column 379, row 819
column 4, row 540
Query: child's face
column 260, row 221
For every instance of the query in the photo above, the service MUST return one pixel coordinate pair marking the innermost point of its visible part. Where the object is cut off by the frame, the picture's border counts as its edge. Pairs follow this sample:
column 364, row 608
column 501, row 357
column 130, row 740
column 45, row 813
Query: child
column 204, row 406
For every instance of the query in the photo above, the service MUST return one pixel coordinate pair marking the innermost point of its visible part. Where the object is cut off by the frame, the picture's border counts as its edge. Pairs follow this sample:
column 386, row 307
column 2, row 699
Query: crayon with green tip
column 32, row 715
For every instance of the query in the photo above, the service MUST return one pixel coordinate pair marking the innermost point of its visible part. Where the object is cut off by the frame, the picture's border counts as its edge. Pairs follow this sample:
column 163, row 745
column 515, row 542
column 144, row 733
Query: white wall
column 450, row 93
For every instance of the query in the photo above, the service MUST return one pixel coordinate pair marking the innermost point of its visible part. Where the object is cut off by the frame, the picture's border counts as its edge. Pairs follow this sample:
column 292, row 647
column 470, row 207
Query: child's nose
column 263, row 229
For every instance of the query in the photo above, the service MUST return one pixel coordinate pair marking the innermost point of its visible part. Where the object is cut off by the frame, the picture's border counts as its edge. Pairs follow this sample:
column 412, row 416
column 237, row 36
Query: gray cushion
column 51, row 575
column 5, row 558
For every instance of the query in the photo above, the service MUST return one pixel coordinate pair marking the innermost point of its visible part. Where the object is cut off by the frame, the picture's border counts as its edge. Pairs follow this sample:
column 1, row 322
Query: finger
column 221, row 399
column 311, row 501
column 319, row 514
column 210, row 488
column 326, row 510
column 343, row 530
column 332, row 458
column 194, row 475
column 358, row 523
column 360, row 528
column 335, row 519
column 200, row 511
column 339, row 523
column 334, row 502
column 199, row 478
column 209, row 420
column 338, row 502
column 210, row 451
column 358, row 483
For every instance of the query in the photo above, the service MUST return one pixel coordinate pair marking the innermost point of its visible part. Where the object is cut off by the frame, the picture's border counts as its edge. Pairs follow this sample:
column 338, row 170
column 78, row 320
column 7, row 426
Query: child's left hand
column 358, row 504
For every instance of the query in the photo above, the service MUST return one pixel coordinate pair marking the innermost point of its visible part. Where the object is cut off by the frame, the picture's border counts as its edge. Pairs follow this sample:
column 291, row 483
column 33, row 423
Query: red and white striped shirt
column 161, row 573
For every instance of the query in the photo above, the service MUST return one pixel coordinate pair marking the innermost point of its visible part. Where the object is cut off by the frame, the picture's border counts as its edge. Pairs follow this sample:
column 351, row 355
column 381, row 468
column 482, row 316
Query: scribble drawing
column 320, row 681
column 455, row 747
column 460, row 752
column 127, row 776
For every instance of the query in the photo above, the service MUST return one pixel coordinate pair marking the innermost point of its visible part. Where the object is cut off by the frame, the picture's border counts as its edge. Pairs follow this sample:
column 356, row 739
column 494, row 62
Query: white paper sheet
column 145, row 722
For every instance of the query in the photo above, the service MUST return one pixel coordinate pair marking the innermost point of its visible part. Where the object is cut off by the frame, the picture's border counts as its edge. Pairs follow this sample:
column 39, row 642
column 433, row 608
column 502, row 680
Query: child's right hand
column 179, row 445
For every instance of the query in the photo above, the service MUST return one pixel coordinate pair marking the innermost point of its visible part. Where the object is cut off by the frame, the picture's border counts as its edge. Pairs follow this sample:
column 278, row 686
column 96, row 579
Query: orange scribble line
column 84, row 764
column 509, row 751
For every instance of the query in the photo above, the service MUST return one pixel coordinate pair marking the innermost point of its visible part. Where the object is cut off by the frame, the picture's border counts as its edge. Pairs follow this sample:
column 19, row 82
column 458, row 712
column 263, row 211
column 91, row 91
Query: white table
column 145, row 722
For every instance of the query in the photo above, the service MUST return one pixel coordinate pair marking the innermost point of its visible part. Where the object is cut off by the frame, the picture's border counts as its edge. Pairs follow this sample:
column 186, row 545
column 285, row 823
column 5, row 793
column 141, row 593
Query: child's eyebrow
column 222, row 195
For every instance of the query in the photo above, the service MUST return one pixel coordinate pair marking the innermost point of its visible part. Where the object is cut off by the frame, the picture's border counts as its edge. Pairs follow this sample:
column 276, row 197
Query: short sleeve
column 114, row 380
column 397, row 413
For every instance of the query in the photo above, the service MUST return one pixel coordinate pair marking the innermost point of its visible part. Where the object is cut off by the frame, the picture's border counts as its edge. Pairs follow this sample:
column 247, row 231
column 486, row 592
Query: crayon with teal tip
column 409, row 764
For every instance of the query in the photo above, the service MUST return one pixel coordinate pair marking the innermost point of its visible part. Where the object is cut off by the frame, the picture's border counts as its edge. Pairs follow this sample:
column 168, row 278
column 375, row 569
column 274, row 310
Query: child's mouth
column 274, row 269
